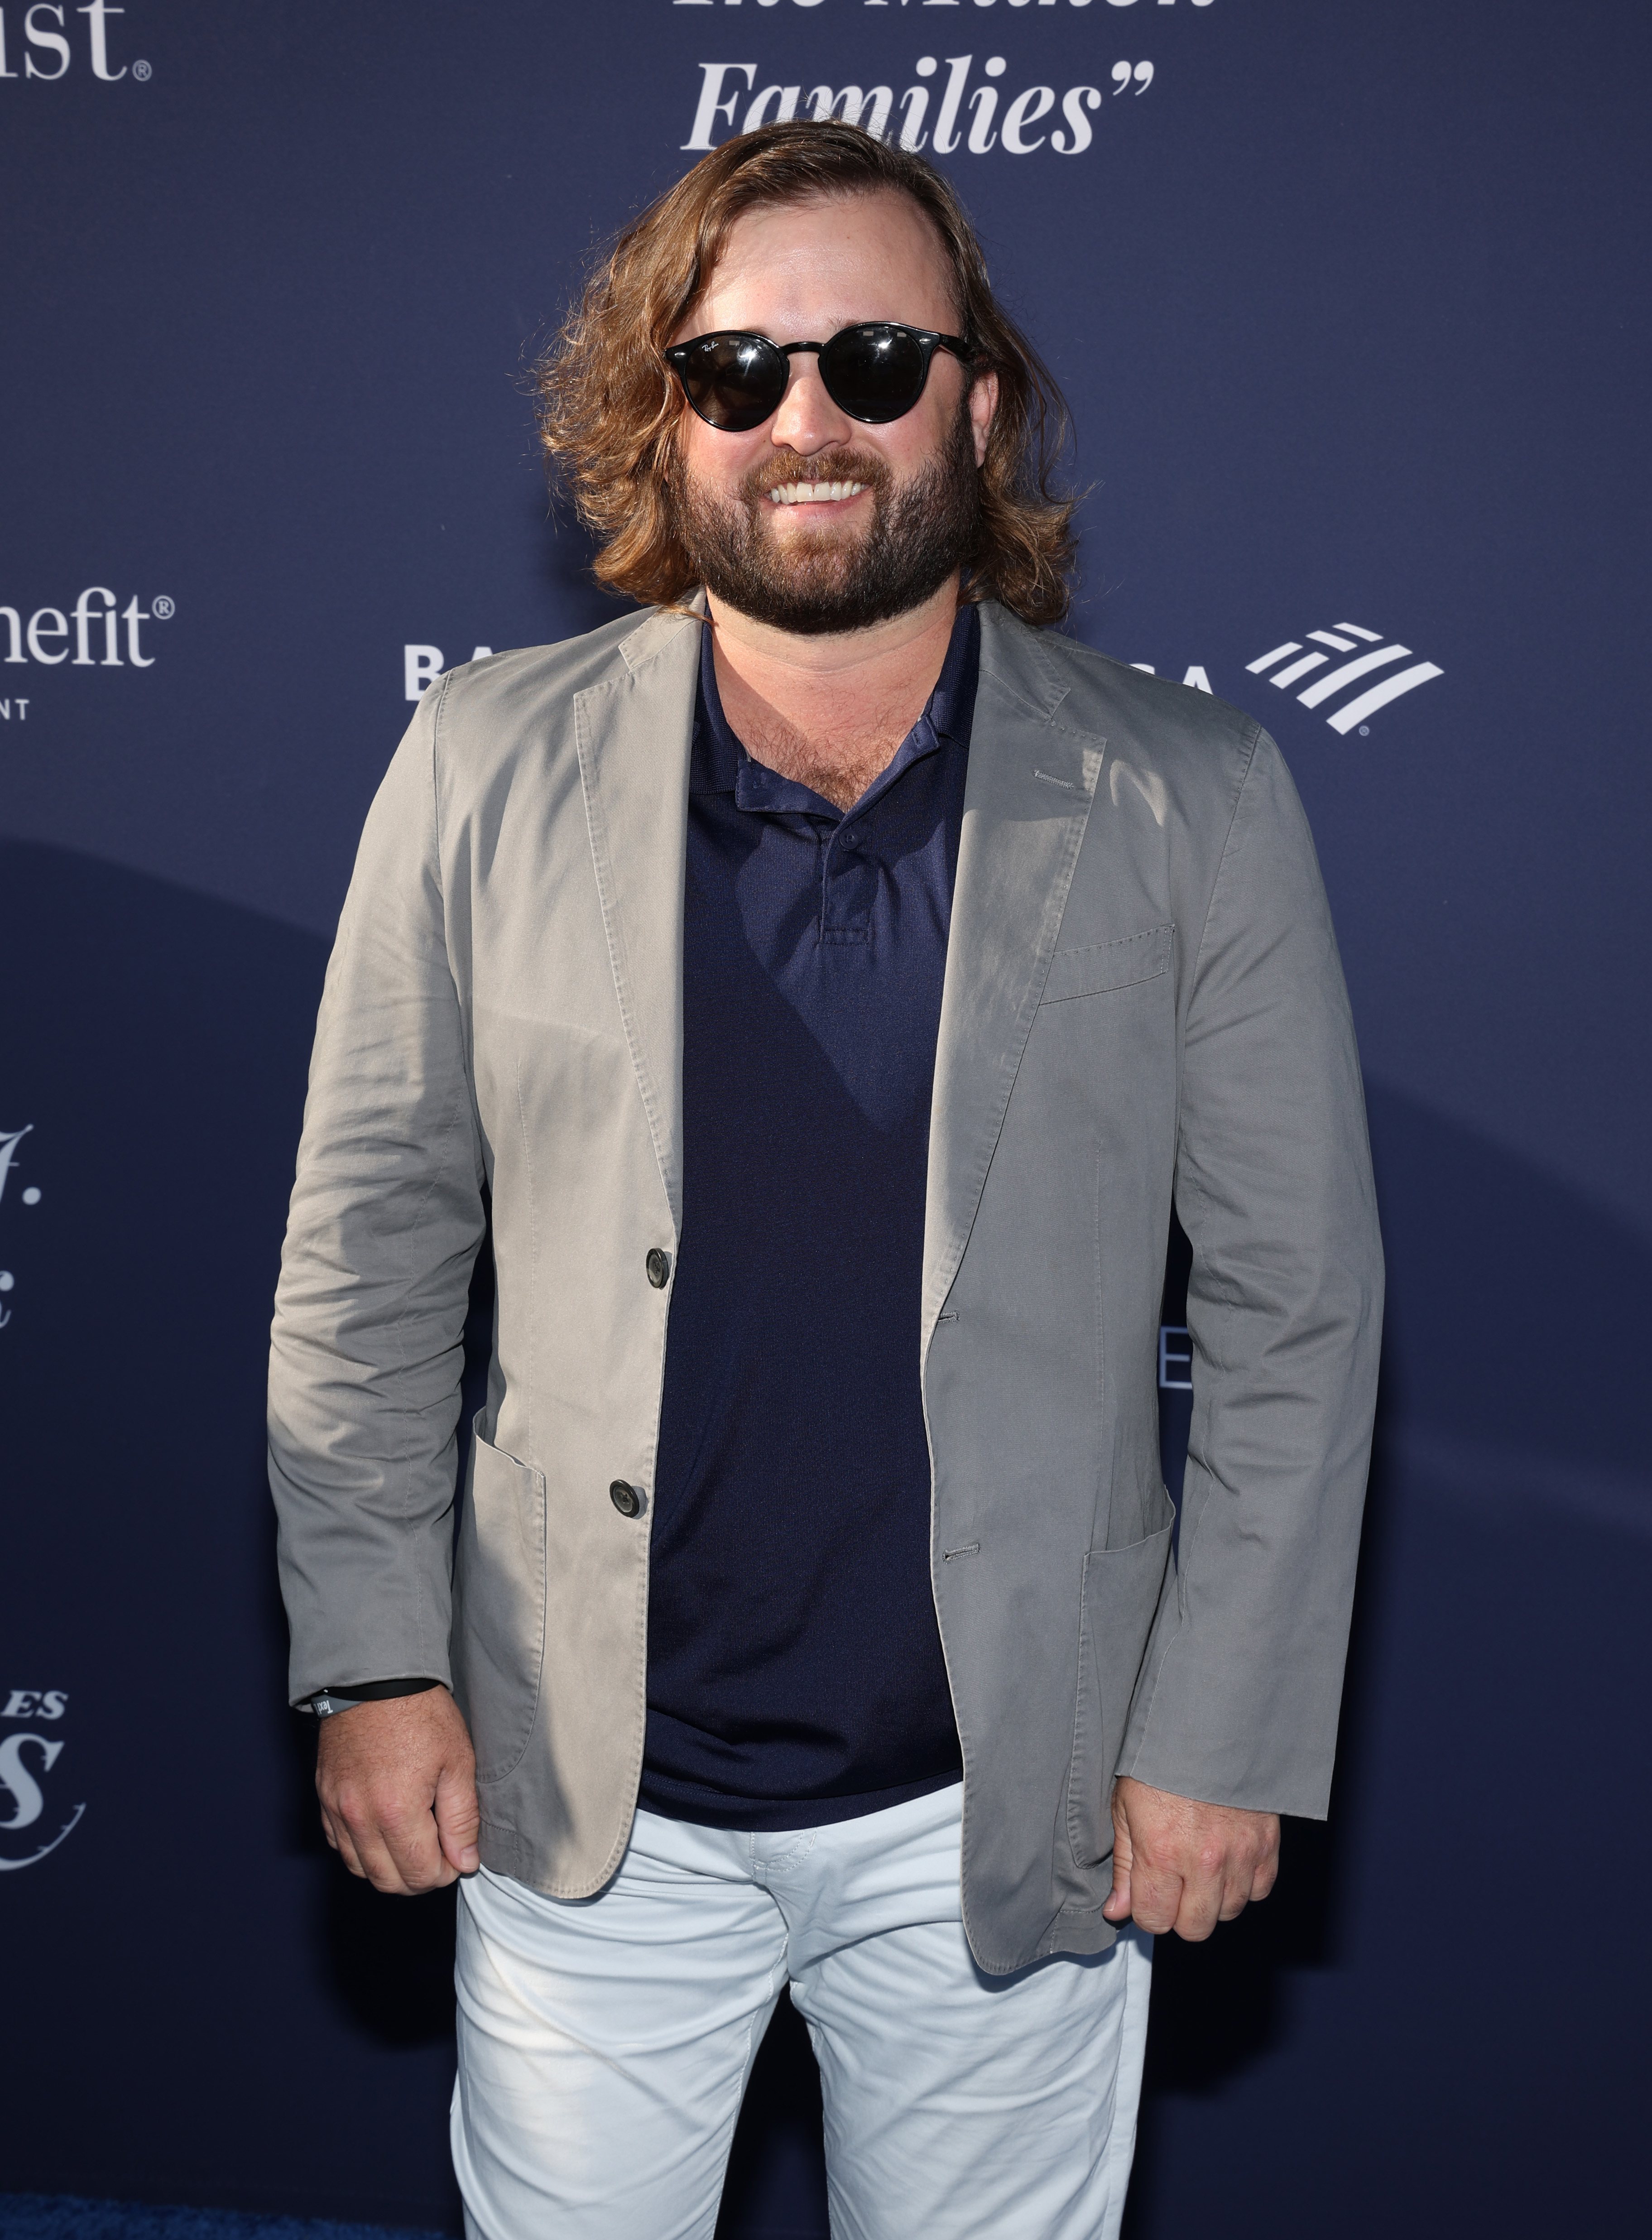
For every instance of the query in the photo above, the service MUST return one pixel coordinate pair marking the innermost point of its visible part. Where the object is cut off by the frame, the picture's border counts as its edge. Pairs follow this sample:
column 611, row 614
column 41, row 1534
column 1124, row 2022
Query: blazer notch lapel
column 1027, row 807
column 635, row 732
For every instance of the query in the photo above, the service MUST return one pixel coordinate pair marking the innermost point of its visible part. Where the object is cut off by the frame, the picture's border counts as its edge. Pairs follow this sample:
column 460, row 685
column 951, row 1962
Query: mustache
column 843, row 464
column 920, row 529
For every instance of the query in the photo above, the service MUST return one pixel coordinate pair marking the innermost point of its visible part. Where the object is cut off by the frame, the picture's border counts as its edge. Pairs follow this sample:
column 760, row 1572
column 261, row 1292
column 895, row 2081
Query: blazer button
column 625, row 1498
column 658, row 1264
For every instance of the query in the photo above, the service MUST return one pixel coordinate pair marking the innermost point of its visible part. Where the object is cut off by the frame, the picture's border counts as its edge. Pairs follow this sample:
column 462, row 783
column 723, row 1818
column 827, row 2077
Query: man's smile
column 813, row 493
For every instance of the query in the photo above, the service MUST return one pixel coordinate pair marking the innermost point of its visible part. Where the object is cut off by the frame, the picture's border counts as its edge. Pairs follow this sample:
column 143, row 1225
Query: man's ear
column 983, row 406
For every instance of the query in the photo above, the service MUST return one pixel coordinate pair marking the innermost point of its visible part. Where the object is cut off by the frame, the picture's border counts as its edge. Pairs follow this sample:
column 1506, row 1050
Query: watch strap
column 327, row 1703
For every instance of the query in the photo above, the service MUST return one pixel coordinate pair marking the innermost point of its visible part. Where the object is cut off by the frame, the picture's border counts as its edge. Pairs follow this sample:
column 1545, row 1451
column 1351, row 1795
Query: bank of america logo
column 1346, row 637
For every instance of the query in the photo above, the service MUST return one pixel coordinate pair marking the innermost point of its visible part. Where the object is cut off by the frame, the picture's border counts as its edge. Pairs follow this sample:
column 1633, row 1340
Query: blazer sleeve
column 1240, row 1694
column 386, row 1217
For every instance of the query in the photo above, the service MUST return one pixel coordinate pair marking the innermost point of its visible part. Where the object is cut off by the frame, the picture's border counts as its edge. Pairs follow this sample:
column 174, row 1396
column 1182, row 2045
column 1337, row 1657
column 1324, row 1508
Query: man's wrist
column 327, row 1703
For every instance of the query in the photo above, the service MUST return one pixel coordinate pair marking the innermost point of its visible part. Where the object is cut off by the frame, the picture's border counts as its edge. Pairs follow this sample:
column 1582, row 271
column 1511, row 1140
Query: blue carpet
column 63, row 2216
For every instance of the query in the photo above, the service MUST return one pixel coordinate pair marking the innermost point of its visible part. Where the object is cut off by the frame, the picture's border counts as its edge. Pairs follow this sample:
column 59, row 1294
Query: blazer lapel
column 635, row 732
column 1026, row 802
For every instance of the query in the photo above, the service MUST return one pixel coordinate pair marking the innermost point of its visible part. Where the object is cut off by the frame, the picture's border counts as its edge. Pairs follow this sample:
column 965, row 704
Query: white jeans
column 604, row 2043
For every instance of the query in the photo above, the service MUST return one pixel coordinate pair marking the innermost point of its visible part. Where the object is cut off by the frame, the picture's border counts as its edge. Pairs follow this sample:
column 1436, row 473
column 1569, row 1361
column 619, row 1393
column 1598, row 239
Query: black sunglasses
column 874, row 372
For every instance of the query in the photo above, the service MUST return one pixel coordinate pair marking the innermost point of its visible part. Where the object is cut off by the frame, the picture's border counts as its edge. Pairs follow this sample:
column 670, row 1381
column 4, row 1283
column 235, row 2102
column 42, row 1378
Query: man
column 829, row 980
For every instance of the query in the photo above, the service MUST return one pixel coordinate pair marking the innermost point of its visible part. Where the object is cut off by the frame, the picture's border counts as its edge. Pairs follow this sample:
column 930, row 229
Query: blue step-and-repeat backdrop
column 1350, row 300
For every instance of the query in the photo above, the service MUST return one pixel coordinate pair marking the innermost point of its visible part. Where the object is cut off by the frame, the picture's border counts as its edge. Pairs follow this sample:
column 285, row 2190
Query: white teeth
column 813, row 493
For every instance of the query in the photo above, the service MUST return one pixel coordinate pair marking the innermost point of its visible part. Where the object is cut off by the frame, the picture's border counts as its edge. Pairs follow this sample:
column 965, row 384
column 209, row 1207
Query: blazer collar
column 1026, row 802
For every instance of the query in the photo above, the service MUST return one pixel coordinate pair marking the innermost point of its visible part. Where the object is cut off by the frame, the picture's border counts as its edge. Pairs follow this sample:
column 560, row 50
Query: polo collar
column 720, row 763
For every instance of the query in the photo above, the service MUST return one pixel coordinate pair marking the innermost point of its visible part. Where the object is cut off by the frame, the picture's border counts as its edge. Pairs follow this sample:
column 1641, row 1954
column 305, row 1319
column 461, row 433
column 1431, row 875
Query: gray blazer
column 1143, row 998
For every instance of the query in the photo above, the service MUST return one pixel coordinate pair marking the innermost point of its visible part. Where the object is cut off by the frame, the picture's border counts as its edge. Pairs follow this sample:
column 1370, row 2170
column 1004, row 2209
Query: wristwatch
column 326, row 1703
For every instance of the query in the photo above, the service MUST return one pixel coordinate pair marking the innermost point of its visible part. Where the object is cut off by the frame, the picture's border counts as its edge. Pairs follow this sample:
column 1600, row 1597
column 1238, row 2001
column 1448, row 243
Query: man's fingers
column 353, row 1821
column 1146, row 1890
column 397, row 1781
column 1156, row 1897
column 1249, row 1878
column 1204, row 1894
column 382, row 1839
column 414, row 1851
column 1237, row 1891
column 337, row 1830
column 339, row 1837
column 396, row 1855
column 1116, row 1906
column 380, row 1868
column 1186, row 1865
column 392, row 1834
column 458, row 1818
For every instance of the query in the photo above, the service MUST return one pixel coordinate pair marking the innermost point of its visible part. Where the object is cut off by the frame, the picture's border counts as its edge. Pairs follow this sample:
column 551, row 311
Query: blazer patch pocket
column 1109, row 964
column 499, row 1606
column 1120, row 1598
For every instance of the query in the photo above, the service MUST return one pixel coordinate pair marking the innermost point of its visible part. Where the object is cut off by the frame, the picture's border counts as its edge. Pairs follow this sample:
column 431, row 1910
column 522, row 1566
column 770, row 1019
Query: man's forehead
column 851, row 247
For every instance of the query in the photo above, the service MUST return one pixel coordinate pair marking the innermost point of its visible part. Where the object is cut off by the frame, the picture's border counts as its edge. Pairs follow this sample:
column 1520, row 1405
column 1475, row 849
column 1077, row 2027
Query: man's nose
column 808, row 421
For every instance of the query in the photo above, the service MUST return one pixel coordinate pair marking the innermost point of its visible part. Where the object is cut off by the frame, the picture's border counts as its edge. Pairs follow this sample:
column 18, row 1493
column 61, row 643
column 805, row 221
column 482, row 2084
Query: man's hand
column 1180, row 1865
column 397, row 1784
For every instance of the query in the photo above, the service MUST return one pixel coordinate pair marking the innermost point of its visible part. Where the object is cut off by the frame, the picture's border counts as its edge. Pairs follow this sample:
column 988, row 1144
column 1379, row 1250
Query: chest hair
column 839, row 765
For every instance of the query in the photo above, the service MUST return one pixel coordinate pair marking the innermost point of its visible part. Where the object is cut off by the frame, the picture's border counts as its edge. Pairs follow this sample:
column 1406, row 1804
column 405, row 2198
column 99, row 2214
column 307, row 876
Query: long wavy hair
column 609, row 408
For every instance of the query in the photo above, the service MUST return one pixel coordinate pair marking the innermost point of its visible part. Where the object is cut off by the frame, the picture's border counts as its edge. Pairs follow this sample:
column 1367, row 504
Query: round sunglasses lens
column 874, row 374
column 734, row 381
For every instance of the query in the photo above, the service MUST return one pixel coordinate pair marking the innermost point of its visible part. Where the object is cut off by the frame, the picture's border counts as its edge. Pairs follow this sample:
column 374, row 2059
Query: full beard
column 921, row 532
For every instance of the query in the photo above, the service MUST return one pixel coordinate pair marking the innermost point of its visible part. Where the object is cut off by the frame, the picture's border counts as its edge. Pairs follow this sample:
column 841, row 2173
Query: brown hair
column 609, row 407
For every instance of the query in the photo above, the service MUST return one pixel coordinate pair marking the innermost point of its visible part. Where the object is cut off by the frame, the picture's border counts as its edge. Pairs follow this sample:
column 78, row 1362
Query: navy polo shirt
column 794, row 1673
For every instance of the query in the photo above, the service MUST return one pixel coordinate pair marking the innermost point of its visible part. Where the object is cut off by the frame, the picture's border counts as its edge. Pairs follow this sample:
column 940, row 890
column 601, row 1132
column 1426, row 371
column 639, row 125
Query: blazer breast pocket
column 1109, row 964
